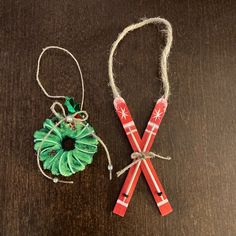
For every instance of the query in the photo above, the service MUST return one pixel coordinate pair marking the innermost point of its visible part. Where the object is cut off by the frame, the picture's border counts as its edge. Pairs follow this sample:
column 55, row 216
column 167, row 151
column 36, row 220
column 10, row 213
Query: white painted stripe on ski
column 152, row 177
column 162, row 202
column 135, row 141
column 128, row 124
column 149, row 131
column 132, row 131
column 145, row 162
column 147, row 166
column 148, row 140
column 133, row 177
column 136, row 167
column 122, row 203
column 153, row 124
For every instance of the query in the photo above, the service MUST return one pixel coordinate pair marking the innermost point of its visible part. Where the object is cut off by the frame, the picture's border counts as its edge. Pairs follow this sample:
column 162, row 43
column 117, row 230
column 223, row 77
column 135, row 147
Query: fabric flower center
column 68, row 143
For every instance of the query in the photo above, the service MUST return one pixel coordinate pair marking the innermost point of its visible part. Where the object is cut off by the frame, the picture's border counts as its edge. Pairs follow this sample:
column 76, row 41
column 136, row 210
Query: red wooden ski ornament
column 141, row 145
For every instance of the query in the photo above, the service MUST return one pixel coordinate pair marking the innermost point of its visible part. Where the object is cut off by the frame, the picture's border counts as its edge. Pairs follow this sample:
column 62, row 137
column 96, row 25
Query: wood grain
column 198, row 131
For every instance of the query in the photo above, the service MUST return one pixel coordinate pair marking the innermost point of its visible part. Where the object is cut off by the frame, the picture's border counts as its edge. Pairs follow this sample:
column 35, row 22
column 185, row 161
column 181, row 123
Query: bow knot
column 77, row 117
column 140, row 156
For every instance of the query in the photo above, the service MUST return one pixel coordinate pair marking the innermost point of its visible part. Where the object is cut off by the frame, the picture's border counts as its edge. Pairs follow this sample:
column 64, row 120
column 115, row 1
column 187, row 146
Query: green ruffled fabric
column 68, row 149
column 71, row 105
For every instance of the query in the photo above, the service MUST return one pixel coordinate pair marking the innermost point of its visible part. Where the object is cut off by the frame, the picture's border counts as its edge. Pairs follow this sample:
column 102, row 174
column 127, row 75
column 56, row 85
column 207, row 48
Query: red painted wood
column 141, row 145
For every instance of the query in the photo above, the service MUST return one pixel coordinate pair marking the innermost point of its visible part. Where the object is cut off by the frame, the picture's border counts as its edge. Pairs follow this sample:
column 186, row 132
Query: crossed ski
column 145, row 165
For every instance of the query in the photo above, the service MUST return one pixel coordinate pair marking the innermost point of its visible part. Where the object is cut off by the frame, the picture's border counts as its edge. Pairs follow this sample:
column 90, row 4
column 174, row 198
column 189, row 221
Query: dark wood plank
column 199, row 130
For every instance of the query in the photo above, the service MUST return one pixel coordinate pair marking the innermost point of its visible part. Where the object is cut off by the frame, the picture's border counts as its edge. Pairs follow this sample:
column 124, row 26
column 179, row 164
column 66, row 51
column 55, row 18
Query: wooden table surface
column 198, row 131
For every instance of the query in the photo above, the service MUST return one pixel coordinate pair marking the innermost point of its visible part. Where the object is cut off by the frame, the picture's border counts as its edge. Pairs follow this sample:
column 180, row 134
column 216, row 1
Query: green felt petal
column 44, row 154
column 49, row 139
column 66, row 130
column 39, row 135
column 86, row 131
column 89, row 149
column 74, row 163
column 50, row 160
column 44, row 145
column 85, row 158
column 55, row 165
column 69, row 132
column 89, row 140
column 70, row 161
column 63, row 165
column 80, row 164
column 48, row 152
column 49, row 125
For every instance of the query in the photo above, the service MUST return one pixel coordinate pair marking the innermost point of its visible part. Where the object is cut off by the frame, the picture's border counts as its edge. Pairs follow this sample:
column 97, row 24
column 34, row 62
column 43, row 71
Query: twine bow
column 77, row 118
column 139, row 156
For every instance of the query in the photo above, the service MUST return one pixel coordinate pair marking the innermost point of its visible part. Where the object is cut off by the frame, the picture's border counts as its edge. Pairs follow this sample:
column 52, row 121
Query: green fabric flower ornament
column 69, row 147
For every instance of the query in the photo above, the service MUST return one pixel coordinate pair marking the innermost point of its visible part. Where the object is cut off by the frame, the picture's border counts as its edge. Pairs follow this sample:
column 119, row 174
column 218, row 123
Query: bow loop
column 77, row 117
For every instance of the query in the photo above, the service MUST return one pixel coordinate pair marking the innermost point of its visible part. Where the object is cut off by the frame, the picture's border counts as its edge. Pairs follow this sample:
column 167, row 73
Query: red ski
column 145, row 166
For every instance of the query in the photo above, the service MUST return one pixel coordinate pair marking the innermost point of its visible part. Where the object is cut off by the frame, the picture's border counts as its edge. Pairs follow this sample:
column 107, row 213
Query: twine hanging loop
column 164, row 56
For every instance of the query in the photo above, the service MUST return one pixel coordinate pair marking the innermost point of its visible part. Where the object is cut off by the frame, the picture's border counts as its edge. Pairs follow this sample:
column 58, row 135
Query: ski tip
column 165, row 209
column 119, row 210
column 163, row 101
column 118, row 100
